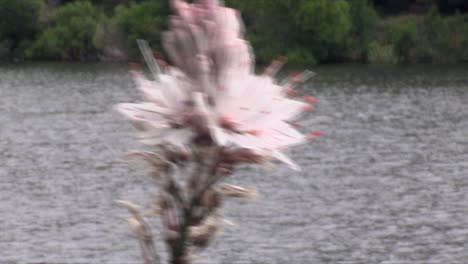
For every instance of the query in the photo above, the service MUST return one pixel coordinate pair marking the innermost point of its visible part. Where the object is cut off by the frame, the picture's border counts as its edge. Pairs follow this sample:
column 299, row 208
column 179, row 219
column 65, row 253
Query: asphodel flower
column 206, row 113
column 212, row 91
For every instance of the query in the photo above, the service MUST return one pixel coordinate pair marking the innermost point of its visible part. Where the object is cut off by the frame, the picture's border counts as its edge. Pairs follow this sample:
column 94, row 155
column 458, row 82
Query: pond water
column 387, row 184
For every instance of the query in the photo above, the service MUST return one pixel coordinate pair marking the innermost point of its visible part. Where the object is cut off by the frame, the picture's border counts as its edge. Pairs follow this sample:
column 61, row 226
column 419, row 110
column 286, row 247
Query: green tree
column 400, row 37
column 321, row 27
column 364, row 18
column 405, row 38
column 145, row 20
column 268, row 27
column 18, row 25
column 70, row 32
column 458, row 30
column 304, row 30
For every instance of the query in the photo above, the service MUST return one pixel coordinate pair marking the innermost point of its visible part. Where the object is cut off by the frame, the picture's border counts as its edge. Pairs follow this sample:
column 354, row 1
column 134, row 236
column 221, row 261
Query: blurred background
column 386, row 184
column 308, row 32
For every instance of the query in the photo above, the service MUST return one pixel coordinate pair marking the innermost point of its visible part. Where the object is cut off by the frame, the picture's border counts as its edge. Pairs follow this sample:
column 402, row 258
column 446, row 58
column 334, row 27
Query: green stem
column 179, row 251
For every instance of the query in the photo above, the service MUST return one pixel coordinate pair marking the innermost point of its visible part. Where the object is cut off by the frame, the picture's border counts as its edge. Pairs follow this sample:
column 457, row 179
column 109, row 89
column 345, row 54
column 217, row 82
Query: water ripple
column 387, row 184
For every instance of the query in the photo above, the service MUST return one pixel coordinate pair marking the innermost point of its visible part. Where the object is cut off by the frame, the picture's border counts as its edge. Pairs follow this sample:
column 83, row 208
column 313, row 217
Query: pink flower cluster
column 211, row 94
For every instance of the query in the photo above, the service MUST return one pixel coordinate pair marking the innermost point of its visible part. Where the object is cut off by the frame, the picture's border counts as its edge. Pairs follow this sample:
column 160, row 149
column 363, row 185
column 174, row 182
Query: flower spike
column 207, row 112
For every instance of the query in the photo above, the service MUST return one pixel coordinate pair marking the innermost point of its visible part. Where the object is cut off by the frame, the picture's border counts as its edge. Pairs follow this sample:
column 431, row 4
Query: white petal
column 278, row 110
column 173, row 92
column 144, row 111
column 216, row 132
column 245, row 140
column 285, row 159
column 249, row 103
column 287, row 109
column 154, row 137
column 148, row 56
column 169, row 44
column 150, row 90
column 179, row 137
column 219, row 136
column 285, row 136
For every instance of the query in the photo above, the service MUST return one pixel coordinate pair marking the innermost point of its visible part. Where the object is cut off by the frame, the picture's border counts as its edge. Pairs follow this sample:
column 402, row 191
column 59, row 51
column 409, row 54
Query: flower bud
column 171, row 237
column 134, row 209
column 211, row 199
column 135, row 225
column 170, row 219
column 202, row 233
column 229, row 190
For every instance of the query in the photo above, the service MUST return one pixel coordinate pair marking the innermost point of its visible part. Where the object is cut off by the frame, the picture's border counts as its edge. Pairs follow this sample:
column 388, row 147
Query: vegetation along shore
column 306, row 31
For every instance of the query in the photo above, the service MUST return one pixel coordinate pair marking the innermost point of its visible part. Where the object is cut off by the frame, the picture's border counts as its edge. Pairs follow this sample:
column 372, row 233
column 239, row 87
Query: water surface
column 387, row 184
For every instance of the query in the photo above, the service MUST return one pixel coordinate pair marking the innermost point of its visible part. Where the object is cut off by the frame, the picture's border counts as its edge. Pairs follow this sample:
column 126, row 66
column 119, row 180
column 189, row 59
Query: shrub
column 404, row 34
column 321, row 26
column 327, row 21
column 301, row 56
column 316, row 29
column 404, row 39
column 268, row 26
column 19, row 22
column 436, row 30
column 70, row 32
column 110, row 41
column 364, row 18
column 458, row 31
column 381, row 53
column 145, row 20
column 5, row 46
column 448, row 36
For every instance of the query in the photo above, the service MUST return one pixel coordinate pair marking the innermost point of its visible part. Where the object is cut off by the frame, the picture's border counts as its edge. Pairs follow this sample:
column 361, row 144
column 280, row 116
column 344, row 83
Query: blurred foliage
column 111, row 41
column 306, row 31
column 145, row 20
column 69, row 34
column 403, row 35
column 364, row 18
column 428, row 38
column 379, row 53
column 19, row 24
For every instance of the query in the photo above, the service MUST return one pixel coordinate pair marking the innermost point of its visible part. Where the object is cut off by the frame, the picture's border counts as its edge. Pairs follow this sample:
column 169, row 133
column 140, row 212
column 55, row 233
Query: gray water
column 387, row 184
